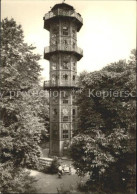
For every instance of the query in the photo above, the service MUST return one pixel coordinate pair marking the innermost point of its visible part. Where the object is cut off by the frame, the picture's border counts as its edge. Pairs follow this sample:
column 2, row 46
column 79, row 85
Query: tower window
column 65, row 77
column 73, row 77
column 65, row 30
column 65, row 101
column 53, row 79
column 74, row 44
column 65, row 65
column 65, row 118
column 55, row 100
column 73, row 32
column 74, row 66
column 65, row 42
column 65, row 131
column 74, row 97
column 53, row 66
column 55, row 30
column 55, row 134
column 65, row 134
column 73, row 112
column 54, row 42
column 55, row 111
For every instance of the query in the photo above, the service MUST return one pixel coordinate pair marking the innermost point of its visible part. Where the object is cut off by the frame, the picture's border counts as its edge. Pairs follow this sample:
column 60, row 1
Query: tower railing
column 48, row 84
column 61, row 12
column 60, row 47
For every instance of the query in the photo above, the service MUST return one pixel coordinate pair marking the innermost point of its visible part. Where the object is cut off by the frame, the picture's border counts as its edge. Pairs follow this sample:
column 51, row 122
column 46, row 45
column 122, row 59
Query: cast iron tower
column 63, row 23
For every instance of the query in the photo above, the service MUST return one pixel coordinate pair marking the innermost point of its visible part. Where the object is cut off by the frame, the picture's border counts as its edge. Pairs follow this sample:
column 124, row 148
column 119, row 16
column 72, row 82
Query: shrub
column 53, row 169
column 63, row 190
column 15, row 180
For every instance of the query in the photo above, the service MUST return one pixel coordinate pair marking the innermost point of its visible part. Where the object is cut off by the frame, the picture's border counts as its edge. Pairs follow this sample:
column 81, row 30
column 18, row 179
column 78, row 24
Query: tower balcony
column 62, row 85
column 48, row 51
column 62, row 13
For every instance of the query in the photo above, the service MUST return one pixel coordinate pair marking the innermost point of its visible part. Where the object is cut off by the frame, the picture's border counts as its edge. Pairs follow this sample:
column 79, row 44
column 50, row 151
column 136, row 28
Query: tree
column 21, row 113
column 15, row 180
column 107, row 127
column 20, row 68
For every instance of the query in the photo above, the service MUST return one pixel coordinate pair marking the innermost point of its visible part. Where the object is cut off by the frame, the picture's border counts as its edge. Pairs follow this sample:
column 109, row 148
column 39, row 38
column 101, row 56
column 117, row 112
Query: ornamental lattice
column 63, row 23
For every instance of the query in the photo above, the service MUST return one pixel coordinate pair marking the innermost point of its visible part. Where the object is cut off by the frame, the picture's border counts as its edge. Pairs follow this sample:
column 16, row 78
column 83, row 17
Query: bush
column 15, row 180
column 82, row 186
column 53, row 169
column 63, row 190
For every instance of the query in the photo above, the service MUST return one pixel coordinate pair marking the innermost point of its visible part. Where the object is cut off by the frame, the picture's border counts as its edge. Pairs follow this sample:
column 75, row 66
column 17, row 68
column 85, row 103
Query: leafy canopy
column 105, row 144
column 23, row 114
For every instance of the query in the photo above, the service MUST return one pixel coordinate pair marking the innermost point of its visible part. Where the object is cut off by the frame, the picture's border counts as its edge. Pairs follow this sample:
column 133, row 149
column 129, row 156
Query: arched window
column 65, row 30
column 74, row 66
column 73, row 77
column 73, row 112
column 65, row 42
column 54, row 41
column 65, row 77
column 53, row 77
column 74, row 44
column 55, row 30
column 65, row 134
column 65, row 118
column 65, row 65
column 55, row 100
column 65, row 98
column 65, row 101
column 73, row 32
column 53, row 66
column 55, row 111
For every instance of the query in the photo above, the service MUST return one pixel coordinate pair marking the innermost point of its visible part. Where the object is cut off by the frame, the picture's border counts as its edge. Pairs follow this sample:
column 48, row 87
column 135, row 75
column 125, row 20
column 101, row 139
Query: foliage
column 20, row 69
column 63, row 190
column 82, row 186
column 15, row 180
column 53, row 168
column 105, row 145
column 22, row 109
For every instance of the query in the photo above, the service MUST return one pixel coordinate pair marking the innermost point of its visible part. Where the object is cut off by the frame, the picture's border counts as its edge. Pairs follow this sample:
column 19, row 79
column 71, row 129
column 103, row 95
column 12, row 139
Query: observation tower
column 63, row 23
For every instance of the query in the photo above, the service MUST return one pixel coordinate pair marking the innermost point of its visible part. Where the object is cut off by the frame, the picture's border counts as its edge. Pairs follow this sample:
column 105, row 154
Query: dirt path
column 50, row 183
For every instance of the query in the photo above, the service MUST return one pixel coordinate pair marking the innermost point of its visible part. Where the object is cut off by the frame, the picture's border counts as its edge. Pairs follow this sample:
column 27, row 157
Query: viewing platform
column 48, row 51
column 48, row 85
column 62, row 13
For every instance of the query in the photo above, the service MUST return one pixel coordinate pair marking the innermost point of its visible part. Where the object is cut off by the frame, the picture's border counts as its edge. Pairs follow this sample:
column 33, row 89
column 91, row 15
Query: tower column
column 63, row 23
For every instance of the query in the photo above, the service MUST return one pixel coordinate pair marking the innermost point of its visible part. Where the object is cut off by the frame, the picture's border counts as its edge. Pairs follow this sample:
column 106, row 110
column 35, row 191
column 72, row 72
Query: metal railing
column 61, row 84
column 46, row 83
column 61, row 12
column 60, row 47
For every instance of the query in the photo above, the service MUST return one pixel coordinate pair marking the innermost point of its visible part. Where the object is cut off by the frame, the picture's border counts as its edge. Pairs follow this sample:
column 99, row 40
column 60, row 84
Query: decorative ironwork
column 61, row 12
column 63, row 24
column 61, row 47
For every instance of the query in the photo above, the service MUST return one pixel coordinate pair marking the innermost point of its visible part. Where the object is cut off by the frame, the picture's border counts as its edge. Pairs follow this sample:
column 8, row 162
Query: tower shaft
column 63, row 23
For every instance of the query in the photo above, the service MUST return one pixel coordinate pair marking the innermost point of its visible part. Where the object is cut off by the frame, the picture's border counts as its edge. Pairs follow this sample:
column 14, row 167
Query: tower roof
column 62, row 5
column 62, row 10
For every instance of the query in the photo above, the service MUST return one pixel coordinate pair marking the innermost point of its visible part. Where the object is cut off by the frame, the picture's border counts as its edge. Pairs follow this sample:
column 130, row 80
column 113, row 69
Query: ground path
column 47, row 183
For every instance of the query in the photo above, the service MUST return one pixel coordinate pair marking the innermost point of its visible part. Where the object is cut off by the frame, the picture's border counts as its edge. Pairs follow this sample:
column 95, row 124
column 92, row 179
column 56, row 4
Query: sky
column 108, row 33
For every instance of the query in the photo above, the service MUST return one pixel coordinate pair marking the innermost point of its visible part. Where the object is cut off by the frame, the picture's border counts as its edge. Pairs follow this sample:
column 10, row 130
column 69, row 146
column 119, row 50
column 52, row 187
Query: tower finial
column 63, row 1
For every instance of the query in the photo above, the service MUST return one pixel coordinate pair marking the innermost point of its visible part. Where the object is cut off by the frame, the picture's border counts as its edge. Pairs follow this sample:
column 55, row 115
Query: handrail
column 61, row 12
column 61, row 47
column 49, row 84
